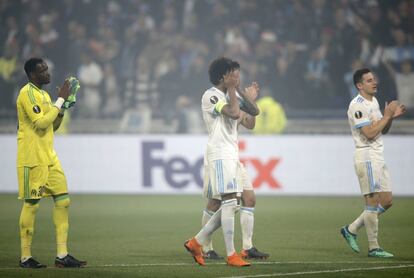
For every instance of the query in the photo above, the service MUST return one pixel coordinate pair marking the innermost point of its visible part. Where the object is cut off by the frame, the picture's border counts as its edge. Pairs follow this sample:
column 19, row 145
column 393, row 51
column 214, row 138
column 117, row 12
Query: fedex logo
column 179, row 172
column 264, row 169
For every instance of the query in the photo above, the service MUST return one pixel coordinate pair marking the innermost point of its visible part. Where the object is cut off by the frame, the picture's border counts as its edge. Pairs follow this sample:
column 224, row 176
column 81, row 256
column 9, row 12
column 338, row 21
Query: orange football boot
column 236, row 260
column 195, row 249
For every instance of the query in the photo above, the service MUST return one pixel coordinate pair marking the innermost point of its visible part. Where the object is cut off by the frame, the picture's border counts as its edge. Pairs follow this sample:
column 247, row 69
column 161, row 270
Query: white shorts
column 373, row 177
column 224, row 177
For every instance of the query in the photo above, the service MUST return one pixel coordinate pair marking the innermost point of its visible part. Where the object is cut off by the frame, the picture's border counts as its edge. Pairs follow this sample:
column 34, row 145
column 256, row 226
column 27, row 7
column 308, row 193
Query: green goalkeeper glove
column 74, row 88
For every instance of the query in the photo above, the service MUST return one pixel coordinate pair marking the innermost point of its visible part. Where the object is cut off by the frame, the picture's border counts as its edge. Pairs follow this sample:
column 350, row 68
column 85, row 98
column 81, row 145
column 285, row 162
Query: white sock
column 228, row 208
column 371, row 226
column 204, row 219
column 61, row 256
column 23, row 259
column 208, row 229
column 247, row 223
column 357, row 224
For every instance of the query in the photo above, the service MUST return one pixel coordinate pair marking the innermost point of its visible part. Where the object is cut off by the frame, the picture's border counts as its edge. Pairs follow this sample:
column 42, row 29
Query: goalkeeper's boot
column 379, row 253
column 31, row 263
column 212, row 255
column 253, row 253
column 195, row 249
column 350, row 238
column 236, row 260
column 69, row 261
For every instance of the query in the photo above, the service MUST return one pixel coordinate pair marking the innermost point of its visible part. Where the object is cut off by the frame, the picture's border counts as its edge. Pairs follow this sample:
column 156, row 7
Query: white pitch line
column 254, row 263
column 279, row 274
column 222, row 263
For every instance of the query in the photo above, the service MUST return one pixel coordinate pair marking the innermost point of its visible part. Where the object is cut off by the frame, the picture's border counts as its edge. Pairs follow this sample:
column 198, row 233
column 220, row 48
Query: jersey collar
column 34, row 86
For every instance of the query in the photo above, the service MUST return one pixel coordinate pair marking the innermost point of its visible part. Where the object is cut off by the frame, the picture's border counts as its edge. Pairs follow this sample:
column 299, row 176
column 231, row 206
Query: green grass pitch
column 143, row 236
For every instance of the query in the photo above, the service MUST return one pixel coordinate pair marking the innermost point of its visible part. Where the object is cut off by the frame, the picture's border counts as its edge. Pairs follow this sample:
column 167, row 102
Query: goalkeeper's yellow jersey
column 35, row 114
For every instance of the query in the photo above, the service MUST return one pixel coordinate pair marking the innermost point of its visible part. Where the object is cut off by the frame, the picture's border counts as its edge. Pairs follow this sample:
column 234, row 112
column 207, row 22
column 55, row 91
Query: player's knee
column 250, row 202
column 248, row 198
column 213, row 205
column 32, row 204
column 62, row 202
column 388, row 204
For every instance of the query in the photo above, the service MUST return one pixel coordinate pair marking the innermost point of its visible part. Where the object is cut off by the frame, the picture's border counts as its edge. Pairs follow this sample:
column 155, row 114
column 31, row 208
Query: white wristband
column 59, row 102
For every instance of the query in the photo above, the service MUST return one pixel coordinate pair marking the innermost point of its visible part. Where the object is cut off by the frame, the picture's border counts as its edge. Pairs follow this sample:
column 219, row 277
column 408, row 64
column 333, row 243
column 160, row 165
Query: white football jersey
column 222, row 130
column 362, row 112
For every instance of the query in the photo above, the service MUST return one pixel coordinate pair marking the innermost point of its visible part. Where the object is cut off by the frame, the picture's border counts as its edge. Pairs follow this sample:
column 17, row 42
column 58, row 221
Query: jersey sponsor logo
column 264, row 169
column 213, row 99
column 179, row 171
column 358, row 114
column 36, row 109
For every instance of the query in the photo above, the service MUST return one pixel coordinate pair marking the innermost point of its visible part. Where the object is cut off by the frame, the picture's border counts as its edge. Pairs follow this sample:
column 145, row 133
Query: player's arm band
column 362, row 124
column 219, row 106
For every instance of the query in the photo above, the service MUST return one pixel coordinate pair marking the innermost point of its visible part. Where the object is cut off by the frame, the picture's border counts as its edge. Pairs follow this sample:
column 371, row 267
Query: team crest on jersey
column 36, row 109
column 33, row 192
column 213, row 99
column 358, row 114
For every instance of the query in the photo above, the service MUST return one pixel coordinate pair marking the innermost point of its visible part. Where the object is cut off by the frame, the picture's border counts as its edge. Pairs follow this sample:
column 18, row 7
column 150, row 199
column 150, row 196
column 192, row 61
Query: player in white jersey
column 223, row 171
column 367, row 125
column 223, row 133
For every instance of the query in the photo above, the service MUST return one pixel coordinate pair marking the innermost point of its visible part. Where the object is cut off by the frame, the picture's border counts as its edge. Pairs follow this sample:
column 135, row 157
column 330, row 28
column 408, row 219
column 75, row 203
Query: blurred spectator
column 78, row 45
column 13, row 32
column 272, row 117
column 90, row 76
column 349, row 80
column 404, row 81
column 49, row 36
column 301, row 49
column 317, row 77
column 112, row 107
column 8, row 76
column 141, row 90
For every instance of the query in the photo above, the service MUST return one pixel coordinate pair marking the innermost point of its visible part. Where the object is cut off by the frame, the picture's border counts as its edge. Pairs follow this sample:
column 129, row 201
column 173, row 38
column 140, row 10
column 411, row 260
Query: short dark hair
column 220, row 67
column 359, row 74
column 30, row 65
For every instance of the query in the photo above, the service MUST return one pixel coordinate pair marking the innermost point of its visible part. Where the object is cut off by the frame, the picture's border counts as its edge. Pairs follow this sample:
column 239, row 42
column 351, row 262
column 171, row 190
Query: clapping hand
column 252, row 92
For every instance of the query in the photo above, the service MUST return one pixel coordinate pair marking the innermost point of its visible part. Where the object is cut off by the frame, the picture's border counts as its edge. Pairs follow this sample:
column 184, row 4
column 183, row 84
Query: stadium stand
column 138, row 55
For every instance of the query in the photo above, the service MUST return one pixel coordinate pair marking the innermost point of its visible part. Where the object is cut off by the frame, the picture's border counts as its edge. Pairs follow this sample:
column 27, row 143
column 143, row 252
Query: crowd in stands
column 154, row 54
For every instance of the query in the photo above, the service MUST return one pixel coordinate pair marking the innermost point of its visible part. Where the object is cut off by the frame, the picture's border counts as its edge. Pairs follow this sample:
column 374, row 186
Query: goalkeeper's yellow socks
column 26, row 223
column 61, row 221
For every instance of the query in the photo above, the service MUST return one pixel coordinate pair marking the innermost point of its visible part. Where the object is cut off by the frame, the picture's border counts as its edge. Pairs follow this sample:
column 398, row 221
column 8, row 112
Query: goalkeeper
column 38, row 167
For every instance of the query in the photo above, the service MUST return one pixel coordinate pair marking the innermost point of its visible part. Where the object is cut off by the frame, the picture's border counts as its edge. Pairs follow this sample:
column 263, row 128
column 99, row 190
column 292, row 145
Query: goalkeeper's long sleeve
column 48, row 119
